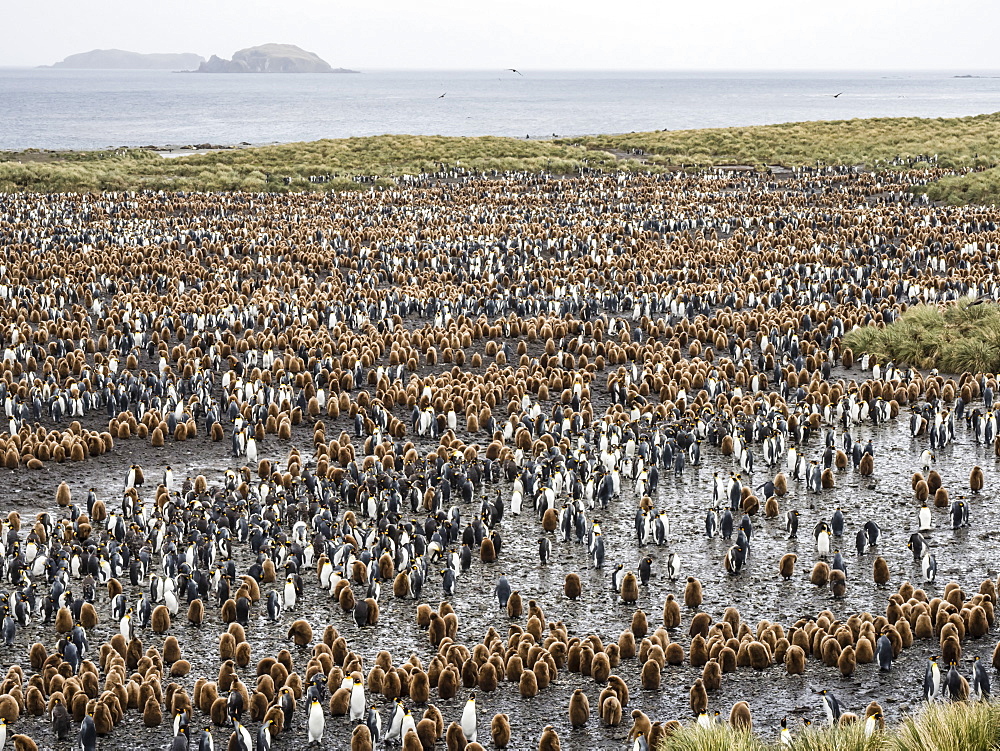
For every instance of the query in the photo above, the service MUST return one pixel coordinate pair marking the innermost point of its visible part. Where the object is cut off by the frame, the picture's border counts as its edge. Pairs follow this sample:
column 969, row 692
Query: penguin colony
column 411, row 388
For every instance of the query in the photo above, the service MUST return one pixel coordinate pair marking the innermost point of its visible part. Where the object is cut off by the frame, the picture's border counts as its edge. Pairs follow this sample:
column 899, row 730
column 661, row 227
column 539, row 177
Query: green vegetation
column 936, row 727
column 248, row 169
column 962, row 337
column 976, row 187
column 966, row 142
column 950, row 727
column 958, row 142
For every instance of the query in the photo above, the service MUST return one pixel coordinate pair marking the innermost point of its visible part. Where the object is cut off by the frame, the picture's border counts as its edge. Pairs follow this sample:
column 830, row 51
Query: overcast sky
column 527, row 34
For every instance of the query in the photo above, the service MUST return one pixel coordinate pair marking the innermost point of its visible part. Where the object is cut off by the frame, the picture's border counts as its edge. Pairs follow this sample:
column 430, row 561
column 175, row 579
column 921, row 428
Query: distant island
column 125, row 60
column 271, row 58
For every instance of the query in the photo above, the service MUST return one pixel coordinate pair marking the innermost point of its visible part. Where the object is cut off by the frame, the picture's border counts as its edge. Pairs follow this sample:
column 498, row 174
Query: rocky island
column 271, row 58
column 125, row 60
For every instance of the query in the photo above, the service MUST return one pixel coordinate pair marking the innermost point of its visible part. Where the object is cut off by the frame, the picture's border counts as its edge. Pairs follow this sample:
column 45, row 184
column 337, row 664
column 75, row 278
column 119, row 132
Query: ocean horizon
column 93, row 109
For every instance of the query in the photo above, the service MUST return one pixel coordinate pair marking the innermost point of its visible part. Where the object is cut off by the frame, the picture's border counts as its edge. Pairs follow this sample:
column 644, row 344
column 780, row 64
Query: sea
column 73, row 109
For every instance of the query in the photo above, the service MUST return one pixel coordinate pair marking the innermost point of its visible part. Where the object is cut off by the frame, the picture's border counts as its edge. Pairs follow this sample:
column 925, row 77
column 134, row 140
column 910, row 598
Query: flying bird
column 515, row 70
column 443, row 95
column 837, row 94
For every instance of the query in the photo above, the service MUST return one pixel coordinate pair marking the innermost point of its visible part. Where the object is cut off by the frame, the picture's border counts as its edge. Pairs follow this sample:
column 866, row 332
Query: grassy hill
column 957, row 142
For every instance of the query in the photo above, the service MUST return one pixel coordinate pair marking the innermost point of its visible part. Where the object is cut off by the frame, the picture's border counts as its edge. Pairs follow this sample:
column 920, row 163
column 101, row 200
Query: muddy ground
column 966, row 556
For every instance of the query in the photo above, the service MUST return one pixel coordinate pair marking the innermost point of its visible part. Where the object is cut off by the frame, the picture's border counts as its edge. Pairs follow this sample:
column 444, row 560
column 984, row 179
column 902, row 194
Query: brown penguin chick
column 951, row 650
column 700, row 624
column 454, row 738
column 196, row 612
column 820, row 576
column 487, row 679
column 423, row 615
column 427, row 733
column 543, row 676
column 781, row 484
column 513, row 668
column 650, row 677
column 500, row 730
column 411, row 741
column 629, row 589
column 739, row 717
column 692, row 593
column 880, row 571
column 243, row 654
column 976, row 479
column 434, row 714
column 711, row 676
column 487, row 551
column 171, row 650
column 698, row 697
column 152, row 715
column 227, row 647
column 79, row 704
column 771, row 507
column 180, row 668
column 300, row 632
column 640, row 725
column 514, row 606
column 795, row 660
column 88, row 616
column 611, row 711
column 103, row 721
column 978, row 623
column 600, row 668
column 759, row 654
column 34, row 702
column 549, row 740
column 671, row 613
column 159, row 622
column 448, row 683
column 37, row 656
column 674, row 654
column 864, row 651
column 419, row 687
column 401, row 585
column 227, row 613
column 23, row 743
column 340, row 702
column 64, row 621
column 572, row 587
column 361, row 738
column 639, row 626
column 437, row 629
column 786, row 566
column 941, row 499
column 847, row 661
column 698, row 655
column 626, row 645
column 528, row 684
column 618, row 685
column 866, row 468
column 347, row 601
column 838, row 583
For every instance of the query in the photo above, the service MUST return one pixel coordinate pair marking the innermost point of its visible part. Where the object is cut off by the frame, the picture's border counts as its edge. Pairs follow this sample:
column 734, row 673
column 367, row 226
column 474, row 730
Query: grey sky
column 527, row 34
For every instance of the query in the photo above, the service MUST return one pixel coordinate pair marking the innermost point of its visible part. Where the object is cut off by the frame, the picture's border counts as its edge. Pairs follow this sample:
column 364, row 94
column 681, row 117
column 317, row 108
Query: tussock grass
column 961, row 337
column 949, row 727
column 976, row 187
column 715, row 738
column 958, row 142
column 267, row 167
column 967, row 142
column 973, row 726
column 847, row 738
